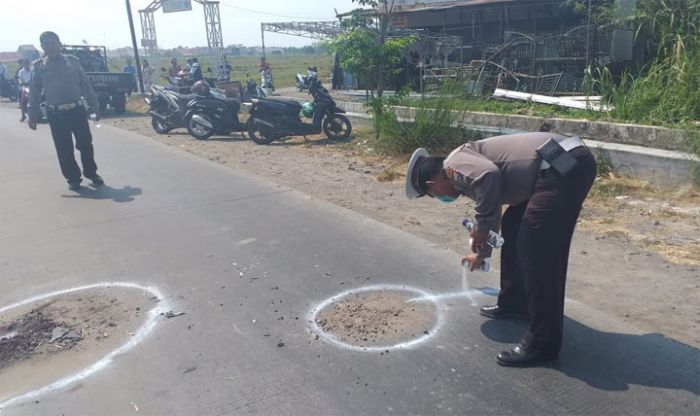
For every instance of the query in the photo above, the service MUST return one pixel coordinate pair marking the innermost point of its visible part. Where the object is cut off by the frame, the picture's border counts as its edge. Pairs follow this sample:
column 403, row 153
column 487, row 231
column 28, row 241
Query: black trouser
column 65, row 125
column 535, row 255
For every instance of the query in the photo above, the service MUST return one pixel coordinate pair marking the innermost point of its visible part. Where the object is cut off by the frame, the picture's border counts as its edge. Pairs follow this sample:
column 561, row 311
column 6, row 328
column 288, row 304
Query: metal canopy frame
column 328, row 29
column 212, row 23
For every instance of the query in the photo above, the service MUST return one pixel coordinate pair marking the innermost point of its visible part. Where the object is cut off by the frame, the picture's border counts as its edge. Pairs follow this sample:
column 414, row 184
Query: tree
column 366, row 48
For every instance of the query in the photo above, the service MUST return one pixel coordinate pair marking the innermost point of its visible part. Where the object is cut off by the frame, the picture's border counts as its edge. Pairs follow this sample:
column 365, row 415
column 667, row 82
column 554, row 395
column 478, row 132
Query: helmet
column 307, row 109
column 200, row 88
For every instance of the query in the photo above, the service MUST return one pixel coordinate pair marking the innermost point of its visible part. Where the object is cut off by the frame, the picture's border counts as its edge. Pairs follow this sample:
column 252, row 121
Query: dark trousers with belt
column 535, row 255
column 64, row 125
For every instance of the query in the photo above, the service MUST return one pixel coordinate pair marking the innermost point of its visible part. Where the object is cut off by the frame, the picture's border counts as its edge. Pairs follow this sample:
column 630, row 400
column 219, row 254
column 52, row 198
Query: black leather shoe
column 74, row 185
column 525, row 354
column 96, row 180
column 496, row 312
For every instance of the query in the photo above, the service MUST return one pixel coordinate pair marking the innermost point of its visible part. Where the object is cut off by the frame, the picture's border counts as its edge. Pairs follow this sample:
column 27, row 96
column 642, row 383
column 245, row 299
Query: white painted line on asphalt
column 469, row 294
column 422, row 294
column 139, row 336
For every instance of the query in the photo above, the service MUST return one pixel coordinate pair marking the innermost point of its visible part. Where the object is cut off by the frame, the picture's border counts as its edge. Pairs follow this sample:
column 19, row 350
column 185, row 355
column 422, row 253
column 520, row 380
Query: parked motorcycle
column 303, row 80
column 272, row 119
column 206, row 115
column 252, row 90
column 167, row 108
column 10, row 88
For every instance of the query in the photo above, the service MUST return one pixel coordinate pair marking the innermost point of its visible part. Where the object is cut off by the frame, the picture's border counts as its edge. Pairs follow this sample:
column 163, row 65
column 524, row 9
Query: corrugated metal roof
column 448, row 5
column 9, row 56
column 421, row 7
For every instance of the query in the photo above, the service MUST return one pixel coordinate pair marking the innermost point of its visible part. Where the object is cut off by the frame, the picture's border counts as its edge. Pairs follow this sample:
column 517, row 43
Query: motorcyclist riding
column 174, row 69
column 196, row 71
column 24, row 76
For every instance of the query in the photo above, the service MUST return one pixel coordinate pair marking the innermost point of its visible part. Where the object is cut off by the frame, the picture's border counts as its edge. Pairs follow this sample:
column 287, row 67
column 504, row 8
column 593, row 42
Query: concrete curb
column 643, row 152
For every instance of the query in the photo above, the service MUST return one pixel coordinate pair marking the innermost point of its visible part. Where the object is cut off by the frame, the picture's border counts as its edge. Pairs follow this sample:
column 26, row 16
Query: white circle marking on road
column 421, row 294
column 102, row 363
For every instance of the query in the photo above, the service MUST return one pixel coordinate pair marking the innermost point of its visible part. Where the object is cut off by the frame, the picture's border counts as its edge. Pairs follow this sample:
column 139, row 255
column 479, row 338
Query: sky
column 104, row 22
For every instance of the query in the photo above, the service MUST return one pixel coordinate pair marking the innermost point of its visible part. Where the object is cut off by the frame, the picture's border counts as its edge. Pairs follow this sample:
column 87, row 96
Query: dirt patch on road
column 380, row 318
column 50, row 339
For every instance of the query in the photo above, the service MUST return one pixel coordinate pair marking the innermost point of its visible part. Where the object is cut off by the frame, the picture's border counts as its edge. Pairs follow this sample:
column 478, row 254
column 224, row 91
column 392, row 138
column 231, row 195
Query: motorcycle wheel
column 198, row 131
column 159, row 126
column 337, row 127
column 256, row 135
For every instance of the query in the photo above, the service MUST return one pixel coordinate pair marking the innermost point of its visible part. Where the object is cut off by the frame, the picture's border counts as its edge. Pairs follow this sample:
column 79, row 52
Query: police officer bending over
column 62, row 81
column 544, row 178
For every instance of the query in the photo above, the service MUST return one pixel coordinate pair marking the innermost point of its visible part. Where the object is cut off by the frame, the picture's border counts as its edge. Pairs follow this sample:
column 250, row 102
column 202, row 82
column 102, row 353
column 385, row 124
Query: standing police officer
column 62, row 81
column 544, row 178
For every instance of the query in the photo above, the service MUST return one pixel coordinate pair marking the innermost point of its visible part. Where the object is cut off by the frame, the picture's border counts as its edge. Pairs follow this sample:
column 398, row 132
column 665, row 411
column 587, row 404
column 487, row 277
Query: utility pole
column 588, row 36
column 136, row 48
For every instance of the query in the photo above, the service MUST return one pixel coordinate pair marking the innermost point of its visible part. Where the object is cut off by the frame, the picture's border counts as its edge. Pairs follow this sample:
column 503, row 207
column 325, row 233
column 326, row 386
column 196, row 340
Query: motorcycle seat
column 280, row 105
column 291, row 103
column 185, row 97
column 232, row 103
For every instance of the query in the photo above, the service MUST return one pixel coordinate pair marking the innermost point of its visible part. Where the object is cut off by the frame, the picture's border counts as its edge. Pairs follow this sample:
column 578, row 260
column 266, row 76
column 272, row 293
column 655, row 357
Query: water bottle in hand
column 95, row 120
column 485, row 265
column 494, row 239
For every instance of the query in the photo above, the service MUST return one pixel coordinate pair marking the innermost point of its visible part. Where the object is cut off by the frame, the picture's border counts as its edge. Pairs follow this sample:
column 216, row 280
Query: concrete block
column 664, row 168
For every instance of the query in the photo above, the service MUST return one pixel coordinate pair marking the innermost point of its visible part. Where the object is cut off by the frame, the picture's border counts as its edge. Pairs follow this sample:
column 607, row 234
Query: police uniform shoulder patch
column 455, row 175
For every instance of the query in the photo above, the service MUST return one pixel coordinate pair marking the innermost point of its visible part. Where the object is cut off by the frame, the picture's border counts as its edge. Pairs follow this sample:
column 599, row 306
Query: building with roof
column 527, row 37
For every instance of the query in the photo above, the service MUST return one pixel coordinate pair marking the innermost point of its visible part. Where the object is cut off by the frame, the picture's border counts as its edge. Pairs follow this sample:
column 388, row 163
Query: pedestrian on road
column 174, row 69
column 196, row 71
column 147, row 71
column 62, row 81
column 544, row 178
column 130, row 69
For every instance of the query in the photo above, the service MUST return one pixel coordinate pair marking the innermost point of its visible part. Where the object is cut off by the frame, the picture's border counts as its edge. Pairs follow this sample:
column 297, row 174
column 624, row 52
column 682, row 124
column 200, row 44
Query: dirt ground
column 369, row 319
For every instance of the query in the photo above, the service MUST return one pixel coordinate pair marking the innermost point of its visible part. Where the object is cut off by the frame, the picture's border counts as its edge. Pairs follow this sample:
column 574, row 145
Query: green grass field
column 284, row 67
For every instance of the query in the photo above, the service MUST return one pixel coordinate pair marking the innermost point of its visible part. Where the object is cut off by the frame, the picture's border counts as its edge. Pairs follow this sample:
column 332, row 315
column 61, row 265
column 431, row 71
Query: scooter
column 303, row 80
column 209, row 115
column 10, row 89
column 272, row 119
column 167, row 108
column 252, row 90
column 24, row 99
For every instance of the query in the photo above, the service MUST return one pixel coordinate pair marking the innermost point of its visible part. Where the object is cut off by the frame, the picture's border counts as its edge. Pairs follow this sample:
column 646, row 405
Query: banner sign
column 170, row 6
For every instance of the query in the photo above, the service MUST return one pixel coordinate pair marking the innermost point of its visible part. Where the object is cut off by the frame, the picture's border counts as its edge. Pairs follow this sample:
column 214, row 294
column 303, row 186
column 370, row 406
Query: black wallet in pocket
column 556, row 156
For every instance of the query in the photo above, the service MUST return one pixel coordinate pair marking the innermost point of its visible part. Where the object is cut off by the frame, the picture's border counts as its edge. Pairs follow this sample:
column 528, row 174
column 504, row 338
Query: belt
column 63, row 107
column 569, row 144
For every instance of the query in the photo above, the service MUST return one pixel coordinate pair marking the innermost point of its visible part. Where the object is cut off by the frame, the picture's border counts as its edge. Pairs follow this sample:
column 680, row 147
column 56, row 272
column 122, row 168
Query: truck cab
column 111, row 88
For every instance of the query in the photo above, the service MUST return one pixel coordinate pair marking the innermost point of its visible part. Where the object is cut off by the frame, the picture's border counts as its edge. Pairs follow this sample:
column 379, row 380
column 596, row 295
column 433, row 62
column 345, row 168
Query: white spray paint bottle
column 494, row 240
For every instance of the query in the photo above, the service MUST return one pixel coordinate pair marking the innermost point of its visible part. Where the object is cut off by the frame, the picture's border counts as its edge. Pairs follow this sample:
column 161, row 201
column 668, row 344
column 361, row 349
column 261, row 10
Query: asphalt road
column 190, row 228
